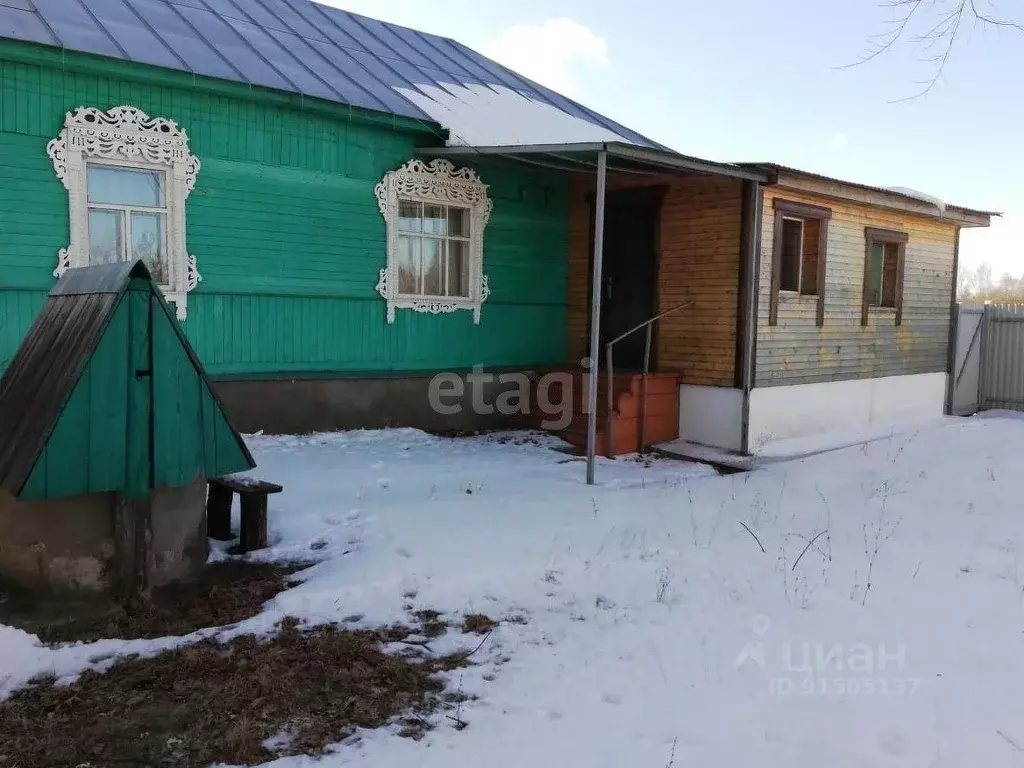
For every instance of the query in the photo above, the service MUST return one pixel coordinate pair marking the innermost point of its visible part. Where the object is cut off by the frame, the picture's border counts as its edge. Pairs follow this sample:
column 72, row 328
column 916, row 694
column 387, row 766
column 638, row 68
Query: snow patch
column 859, row 607
column 917, row 194
column 495, row 115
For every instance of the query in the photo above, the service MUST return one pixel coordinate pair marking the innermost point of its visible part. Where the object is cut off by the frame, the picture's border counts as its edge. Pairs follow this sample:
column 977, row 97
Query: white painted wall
column 711, row 416
column 798, row 410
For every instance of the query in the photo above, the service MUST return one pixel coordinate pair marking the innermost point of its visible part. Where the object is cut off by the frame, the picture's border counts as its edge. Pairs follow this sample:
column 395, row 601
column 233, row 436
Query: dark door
column 630, row 272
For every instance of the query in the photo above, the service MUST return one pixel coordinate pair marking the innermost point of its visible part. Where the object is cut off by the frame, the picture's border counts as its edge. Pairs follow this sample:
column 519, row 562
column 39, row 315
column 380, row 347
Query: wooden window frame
column 787, row 209
column 875, row 235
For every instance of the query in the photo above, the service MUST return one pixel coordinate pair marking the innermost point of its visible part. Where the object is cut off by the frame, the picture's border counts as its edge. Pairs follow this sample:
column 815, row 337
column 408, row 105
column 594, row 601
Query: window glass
column 106, row 229
column 433, row 250
column 147, row 233
column 875, row 271
column 409, row 215
column 125, row 186
column 792, row 252
column 458, row 268
column 811, row 257
column 432, row 253
column 890, row 270
column 408, row 265
column 458, row 222
column 883, row 273
column 435, row 220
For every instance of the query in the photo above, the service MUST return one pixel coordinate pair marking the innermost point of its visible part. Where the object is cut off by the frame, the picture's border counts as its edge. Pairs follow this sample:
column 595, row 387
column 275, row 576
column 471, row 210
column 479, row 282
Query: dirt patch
column 208, row 702
column 224, row 593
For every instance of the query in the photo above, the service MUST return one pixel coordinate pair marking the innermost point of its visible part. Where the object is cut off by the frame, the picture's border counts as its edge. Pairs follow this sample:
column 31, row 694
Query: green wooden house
column 270, row 162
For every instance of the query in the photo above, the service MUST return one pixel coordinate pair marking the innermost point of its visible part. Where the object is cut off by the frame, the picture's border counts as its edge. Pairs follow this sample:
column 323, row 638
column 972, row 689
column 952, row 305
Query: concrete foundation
column 71, row 546
column 299, row 406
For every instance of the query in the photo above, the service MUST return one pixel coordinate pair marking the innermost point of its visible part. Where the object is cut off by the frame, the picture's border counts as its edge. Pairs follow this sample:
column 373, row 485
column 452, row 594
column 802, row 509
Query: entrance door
column 630, row 271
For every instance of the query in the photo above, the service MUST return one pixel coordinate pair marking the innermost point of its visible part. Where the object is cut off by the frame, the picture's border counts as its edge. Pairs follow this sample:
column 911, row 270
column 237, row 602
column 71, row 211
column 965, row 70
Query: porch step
column 662, row 412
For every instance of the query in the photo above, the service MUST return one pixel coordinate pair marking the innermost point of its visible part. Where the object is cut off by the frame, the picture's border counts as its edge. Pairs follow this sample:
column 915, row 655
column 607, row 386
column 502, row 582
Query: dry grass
column 208, row 702
column 223, row 594
column 478, row 623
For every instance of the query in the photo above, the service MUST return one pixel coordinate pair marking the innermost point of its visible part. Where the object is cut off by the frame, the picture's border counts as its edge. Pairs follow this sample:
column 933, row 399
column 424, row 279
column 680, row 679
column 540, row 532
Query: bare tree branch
column 947, row 19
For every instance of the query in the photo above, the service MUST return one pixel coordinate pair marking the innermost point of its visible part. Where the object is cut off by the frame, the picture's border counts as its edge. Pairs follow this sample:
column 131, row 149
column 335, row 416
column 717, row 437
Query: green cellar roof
column 105, row 394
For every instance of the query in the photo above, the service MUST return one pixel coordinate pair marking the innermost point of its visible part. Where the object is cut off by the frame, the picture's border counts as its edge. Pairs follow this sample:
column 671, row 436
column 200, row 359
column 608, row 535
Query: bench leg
column 254, row 521
column 218, row 512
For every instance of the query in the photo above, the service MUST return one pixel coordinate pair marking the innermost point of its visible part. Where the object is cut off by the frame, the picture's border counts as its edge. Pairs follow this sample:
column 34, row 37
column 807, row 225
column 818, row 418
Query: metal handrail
column 648, row 324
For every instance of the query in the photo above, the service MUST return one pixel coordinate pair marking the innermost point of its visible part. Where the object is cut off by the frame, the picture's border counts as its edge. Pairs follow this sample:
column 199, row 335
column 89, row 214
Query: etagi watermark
column 554, row 394
column 828, row 669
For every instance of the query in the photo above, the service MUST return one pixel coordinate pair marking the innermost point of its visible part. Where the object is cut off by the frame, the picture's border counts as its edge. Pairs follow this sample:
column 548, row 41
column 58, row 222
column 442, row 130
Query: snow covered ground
column 881, row 625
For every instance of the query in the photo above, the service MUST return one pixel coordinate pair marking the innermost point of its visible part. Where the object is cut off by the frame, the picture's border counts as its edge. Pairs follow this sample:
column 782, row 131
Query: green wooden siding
column 285, row 227
column 191, row 435
column 140, row 416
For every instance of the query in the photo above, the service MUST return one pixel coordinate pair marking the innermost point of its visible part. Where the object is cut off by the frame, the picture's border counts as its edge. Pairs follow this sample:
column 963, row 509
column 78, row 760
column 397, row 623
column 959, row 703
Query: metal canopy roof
column 622, row 158
column 897, row 192
column 303, row 47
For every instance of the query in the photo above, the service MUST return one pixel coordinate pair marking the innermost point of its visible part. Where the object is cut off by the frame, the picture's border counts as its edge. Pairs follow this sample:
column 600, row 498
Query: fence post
column 984, row 358
column 954, row 332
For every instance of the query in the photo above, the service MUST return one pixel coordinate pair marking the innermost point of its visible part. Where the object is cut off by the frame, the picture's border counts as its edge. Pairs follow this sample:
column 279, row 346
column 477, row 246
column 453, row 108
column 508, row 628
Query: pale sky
column 750, row 80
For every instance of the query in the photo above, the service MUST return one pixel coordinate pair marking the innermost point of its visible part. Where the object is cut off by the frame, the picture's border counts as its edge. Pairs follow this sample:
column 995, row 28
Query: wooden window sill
column 884, row 313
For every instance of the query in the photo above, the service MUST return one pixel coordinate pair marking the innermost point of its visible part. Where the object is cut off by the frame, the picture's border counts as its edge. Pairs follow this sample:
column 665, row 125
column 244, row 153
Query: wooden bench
column 252, row 494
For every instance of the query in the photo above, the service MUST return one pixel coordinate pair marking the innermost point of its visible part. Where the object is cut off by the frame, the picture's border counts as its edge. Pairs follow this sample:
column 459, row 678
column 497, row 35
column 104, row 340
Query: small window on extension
column 883, row 271
column 884, row 256
column 791, row 253
column 799, row 254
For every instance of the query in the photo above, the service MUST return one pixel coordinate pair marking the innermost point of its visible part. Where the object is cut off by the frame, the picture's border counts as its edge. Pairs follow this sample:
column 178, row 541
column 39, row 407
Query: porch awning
column 621, row 157
column 600, row 159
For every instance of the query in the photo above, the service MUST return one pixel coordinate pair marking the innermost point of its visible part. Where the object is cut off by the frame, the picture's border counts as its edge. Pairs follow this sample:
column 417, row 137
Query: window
column 435, row 216
column 433, row 250
column 884, row 258
column 884, row 255
column 799, row 250
column 792, row 253
column 128, row 216
column 127, row 177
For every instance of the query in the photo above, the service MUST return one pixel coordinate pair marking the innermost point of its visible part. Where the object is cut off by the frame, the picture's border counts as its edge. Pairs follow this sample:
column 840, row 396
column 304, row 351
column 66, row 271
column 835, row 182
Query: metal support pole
column 750, row 236
column 595, row 312
column 642, row 429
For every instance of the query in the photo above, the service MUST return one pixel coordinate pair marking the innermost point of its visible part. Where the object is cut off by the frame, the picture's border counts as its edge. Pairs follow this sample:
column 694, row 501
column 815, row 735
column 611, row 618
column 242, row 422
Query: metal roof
column 304, row 47
column 621, row 157
column 776, row 168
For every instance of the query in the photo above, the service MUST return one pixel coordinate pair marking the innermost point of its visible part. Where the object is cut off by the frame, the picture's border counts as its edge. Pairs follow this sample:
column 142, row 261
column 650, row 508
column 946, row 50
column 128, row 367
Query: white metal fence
column 988, row 367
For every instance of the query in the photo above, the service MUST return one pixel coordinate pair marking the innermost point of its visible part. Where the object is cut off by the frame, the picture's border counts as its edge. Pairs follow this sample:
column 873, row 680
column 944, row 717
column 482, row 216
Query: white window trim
column 129, row 137
column 799, row 257
column 440, row 183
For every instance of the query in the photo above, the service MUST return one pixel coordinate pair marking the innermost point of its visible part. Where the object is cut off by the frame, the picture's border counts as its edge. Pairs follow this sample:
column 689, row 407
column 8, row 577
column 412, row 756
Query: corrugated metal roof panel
column 303, row 47
column 917, row 198
column 25, row 24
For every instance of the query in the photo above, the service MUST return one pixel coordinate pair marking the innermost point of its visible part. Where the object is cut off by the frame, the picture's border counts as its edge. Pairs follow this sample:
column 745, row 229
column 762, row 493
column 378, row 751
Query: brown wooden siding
column 699, row 259
column 796, row 351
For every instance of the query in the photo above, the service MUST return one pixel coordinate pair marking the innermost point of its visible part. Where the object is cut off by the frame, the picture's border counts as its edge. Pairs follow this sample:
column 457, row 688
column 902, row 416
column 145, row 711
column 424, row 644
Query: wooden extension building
column 339, row 209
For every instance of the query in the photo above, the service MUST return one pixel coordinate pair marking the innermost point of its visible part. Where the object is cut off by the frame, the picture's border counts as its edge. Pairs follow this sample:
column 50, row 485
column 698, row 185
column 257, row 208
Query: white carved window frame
column 440, row 183
column 127, row 135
